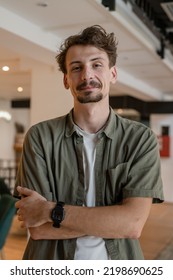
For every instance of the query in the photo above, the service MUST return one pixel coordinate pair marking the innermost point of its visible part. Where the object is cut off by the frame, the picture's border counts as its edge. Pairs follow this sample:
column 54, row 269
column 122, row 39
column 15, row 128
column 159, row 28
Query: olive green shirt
column 127, row 164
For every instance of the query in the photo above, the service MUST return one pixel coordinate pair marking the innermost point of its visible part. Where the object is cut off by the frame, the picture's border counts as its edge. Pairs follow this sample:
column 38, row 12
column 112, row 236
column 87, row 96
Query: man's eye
column 96, row 65
column 76, row 68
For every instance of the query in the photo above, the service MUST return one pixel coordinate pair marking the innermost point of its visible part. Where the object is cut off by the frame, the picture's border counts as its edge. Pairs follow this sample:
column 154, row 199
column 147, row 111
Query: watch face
column 58, row 214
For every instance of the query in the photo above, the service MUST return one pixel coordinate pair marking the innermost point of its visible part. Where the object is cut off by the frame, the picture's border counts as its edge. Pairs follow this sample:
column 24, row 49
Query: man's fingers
column 24, row 191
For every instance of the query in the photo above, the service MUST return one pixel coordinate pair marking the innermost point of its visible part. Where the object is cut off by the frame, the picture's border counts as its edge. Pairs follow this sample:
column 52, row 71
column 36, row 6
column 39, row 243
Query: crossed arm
column 117, row 221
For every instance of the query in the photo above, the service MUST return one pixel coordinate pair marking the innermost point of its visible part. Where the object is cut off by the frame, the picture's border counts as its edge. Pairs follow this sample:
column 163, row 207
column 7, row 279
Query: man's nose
column 87, row 73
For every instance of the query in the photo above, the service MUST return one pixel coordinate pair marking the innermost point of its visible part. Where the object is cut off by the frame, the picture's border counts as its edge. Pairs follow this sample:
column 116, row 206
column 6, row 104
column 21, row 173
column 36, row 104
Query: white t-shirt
column 90, row 247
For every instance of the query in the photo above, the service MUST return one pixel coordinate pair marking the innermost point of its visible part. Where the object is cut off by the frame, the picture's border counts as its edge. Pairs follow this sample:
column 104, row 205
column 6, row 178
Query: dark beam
column 145, row 108
column 109, row 4
column 20, row 103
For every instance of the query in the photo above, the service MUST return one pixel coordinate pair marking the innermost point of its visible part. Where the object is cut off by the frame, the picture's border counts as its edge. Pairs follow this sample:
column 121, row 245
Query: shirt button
column 79, row 140
column 79, row 202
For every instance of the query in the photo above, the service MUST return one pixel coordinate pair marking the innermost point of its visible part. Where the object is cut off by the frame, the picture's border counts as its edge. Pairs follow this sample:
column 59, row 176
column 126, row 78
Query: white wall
column 49, row 98
column 157, row 121
column 7, row 128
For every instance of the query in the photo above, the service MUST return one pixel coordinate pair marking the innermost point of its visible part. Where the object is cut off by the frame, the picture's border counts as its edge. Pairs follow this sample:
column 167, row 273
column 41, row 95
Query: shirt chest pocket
column 117, row 180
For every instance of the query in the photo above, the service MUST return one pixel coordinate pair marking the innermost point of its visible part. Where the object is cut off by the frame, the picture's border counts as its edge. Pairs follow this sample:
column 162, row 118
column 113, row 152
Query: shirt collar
column 108, row 129
column 110, row 126
column 70, row 126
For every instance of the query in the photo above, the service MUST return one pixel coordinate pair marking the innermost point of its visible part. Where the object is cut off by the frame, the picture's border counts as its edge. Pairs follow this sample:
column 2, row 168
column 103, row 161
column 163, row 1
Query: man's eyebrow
column 97, row 58
column 92, row 59
column 74, row 62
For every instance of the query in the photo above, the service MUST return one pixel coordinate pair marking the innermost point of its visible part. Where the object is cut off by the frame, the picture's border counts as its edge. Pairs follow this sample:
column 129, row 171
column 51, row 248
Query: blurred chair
column 7, row 212
column 4, row 188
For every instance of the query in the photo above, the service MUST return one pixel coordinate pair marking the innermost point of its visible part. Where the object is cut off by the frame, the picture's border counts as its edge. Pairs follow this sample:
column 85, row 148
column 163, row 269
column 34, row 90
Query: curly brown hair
column 94, row 35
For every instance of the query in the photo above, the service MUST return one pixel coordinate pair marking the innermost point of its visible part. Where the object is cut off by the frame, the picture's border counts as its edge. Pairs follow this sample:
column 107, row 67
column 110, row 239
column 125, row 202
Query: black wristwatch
column 57, row 214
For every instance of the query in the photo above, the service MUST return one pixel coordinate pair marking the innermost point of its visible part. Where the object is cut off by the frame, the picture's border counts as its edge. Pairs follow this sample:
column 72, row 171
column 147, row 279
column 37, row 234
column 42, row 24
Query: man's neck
column 91, row 118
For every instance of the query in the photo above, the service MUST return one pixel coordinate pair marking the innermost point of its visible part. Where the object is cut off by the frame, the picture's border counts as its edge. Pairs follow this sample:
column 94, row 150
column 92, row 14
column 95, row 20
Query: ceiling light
column 5, row 68
column 20, row 89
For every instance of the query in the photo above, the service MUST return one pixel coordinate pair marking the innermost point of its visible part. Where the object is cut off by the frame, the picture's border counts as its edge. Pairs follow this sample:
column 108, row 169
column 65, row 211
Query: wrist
column 48, row 210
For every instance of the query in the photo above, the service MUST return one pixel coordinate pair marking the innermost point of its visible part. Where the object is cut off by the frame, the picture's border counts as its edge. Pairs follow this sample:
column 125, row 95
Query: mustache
column 86, row 84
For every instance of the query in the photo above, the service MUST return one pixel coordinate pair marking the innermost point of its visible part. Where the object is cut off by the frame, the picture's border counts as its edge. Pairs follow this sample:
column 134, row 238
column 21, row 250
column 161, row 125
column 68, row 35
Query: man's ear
column 114, row 74
column 66, row 82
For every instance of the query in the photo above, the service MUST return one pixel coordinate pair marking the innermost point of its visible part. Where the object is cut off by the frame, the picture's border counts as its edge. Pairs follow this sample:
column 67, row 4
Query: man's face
column 88, row 73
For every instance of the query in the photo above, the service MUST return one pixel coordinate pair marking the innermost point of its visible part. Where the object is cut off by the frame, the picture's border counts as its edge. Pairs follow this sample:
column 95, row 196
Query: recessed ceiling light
column 5, row 68
column 42, row 4
column 20, row 89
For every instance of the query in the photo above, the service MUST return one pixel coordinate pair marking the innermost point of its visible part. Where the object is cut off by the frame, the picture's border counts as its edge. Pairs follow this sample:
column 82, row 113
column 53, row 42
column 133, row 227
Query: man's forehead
column 79, row 52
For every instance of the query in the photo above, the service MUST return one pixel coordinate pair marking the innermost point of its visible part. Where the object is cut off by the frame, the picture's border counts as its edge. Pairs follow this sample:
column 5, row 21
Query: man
column 90, row 177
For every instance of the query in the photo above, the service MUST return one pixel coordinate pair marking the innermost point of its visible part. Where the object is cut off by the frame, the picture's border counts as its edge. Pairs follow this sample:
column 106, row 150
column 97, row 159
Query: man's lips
column 85, row 86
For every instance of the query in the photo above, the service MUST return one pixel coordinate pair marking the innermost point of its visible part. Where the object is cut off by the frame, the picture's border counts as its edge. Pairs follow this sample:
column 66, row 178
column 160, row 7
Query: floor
column 157, row 233
column 16, row 242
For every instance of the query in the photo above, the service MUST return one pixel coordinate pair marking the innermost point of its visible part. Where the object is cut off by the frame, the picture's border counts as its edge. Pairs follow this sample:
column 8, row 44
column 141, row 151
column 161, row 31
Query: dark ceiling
column 152, row 13
column 160, row 17
column 154, row 16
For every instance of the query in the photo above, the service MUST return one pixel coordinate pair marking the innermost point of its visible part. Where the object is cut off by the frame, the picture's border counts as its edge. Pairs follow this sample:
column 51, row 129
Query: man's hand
column 33, row 209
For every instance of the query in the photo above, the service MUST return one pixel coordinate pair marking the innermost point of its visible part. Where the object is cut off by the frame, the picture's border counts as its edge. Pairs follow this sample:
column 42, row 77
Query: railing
column 8, row 170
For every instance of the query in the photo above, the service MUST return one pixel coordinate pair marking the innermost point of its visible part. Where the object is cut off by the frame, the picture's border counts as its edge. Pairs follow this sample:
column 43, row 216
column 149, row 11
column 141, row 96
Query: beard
column 87, row 96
